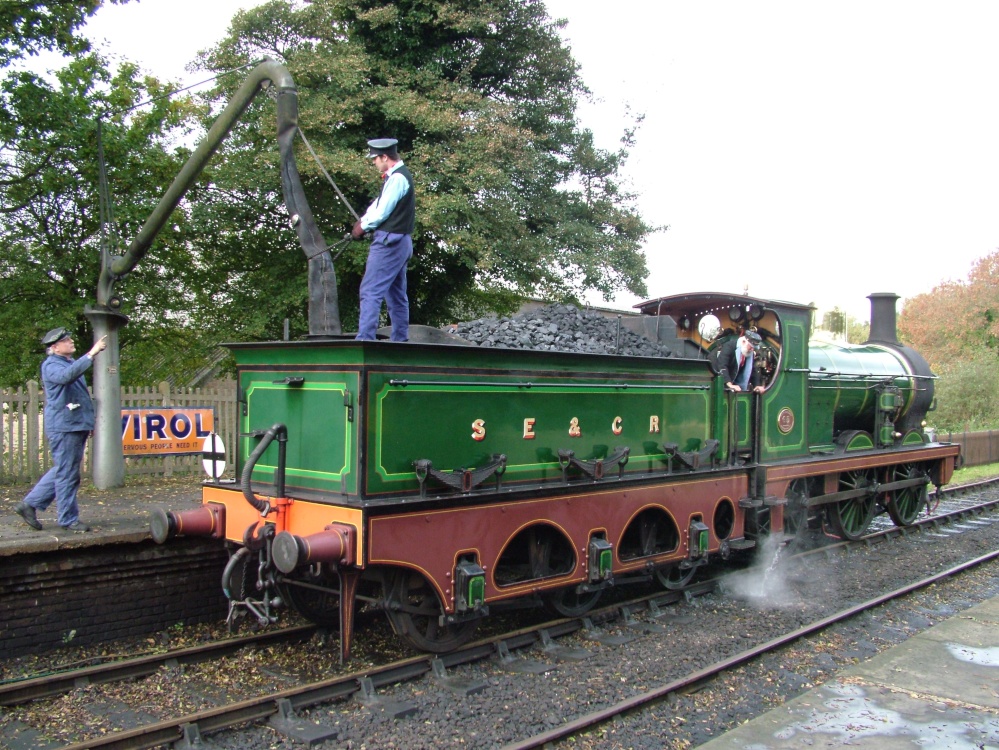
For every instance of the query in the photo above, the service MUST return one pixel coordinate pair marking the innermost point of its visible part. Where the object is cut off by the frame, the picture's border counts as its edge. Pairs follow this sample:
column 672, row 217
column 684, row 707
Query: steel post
column 109, row 462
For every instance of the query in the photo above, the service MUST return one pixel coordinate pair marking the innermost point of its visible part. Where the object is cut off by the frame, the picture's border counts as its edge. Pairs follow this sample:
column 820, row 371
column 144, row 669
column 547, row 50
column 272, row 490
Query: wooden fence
column 24, row 456
column 977, row 448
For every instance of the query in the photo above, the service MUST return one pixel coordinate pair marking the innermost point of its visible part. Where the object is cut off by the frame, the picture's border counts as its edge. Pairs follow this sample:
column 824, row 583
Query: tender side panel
column 318, row 409
column 460, row 420
column 430, row 542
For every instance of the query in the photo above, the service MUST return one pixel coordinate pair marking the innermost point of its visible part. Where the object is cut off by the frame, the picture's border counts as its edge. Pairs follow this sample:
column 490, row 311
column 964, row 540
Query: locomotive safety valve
column 699, row 540
column 469, row 586
column 601, row 559
column 334, row 544
column 208, row 520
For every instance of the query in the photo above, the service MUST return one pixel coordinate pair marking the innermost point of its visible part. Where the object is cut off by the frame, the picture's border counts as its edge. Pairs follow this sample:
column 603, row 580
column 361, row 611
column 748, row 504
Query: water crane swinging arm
column 324, row 313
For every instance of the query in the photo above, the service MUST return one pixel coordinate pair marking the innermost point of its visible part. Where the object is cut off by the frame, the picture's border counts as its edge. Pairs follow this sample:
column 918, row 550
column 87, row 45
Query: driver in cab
column 736, row 363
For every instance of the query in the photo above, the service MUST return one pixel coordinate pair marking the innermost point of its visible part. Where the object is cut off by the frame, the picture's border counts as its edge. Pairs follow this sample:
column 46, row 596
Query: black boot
column 26, row 512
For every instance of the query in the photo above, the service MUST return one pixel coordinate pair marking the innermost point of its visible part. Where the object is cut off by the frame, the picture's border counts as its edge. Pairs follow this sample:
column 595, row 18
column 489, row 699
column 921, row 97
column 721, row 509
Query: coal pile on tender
column 565, row 328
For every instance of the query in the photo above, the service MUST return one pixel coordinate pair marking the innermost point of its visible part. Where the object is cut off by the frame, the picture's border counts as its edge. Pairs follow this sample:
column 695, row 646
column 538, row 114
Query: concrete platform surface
column 937, row 690
column 118, row 515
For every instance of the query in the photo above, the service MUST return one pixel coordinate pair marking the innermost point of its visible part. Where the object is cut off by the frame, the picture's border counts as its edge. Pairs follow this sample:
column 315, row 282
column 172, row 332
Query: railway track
column 282, row 708
column 595, row 718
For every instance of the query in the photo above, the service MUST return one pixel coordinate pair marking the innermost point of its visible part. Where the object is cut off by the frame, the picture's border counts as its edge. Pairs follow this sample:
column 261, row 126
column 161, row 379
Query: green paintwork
column 789, row 391
column 435, row 421
column 322, row 443
column 406, row 407
column 842, row 396
column 361, row 413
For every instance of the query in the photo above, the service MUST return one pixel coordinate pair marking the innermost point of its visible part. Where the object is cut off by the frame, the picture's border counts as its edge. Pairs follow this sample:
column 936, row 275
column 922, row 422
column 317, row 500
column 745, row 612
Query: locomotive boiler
column 438, row 481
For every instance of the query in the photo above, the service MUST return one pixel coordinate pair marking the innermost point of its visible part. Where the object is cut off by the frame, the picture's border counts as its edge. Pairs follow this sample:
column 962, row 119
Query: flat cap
column 754, row 338
column 55, row 336
column 380, row 146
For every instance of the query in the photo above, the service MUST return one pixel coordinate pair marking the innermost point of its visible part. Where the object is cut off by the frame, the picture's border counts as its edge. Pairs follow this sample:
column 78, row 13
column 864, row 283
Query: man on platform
column 69, row 420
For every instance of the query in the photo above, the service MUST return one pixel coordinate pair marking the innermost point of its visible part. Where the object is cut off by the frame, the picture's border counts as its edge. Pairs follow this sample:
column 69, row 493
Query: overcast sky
column 810, row 151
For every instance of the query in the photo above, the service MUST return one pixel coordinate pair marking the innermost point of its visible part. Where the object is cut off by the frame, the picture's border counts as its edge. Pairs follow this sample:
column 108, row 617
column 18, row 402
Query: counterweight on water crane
column 104, row 316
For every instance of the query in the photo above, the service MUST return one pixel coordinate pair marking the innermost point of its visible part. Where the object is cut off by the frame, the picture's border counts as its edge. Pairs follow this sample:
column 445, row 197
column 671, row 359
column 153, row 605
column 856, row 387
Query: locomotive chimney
column 883, row 318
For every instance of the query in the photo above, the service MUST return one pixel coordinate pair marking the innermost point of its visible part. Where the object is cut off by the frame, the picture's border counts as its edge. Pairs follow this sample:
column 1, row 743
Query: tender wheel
column 850, row 518
column 315, row 605
column 414, row 612
column 674, row 578
column 568, row 602
column 904, row 505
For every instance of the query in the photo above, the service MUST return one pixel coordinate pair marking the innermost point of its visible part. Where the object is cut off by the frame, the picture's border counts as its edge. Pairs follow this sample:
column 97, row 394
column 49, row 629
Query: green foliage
column 966, row 395
column 958, row 320
column 845, row 325
column 29, row 26
column 51, row 237
column 956, row 328
column 513, row 199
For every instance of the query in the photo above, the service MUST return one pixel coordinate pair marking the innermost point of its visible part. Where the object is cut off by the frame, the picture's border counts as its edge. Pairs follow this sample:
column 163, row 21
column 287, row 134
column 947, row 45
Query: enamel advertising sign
column 165, row 430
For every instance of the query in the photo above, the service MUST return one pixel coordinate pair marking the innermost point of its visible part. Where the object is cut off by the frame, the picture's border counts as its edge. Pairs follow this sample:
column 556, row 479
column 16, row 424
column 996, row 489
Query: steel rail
column 17, row 691
column 598, row 717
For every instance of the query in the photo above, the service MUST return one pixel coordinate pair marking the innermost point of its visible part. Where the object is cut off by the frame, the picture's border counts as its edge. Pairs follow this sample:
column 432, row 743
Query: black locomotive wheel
column 568, row 602
column 904, row 505
column 850, row 518
column 796, row 512
column 673, row 577
column 317, row 600
column 414, row 612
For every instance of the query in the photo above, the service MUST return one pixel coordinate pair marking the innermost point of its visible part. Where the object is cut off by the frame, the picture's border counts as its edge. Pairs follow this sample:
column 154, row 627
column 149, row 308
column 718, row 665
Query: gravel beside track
column 754, row 606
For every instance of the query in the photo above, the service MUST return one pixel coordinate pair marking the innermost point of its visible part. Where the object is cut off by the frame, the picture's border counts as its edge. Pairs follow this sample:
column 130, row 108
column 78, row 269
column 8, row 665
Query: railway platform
column 938, row 689
column 115, row 516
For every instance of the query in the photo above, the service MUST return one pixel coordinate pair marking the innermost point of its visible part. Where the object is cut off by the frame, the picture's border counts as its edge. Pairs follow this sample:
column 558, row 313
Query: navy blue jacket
column 68, row 407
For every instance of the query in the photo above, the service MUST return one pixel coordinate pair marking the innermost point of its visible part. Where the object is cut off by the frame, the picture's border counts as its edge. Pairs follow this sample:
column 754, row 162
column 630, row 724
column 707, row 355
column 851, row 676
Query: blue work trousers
column 385, row 279
column 62, row 481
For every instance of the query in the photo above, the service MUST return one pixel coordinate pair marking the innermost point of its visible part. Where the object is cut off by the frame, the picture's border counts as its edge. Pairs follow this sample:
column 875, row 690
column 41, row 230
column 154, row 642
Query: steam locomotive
column 437, row 481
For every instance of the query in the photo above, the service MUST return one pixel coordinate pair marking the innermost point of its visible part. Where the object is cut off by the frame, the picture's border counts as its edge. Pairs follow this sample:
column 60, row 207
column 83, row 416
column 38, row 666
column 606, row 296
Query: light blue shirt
column 394, row 188
column 747, row 370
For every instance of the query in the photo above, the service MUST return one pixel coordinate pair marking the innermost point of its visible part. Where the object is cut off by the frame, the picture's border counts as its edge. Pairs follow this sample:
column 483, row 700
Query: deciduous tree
column 957, row 320
column 52, row 233
column 956, row 327
column 28, row 27
column 513, row 197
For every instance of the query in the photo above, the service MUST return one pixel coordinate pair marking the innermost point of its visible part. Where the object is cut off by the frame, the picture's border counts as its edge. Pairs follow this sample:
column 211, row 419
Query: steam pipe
column 280, row 432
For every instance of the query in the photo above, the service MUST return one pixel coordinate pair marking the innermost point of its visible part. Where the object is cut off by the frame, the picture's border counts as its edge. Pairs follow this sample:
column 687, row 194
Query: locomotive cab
column 753, row 428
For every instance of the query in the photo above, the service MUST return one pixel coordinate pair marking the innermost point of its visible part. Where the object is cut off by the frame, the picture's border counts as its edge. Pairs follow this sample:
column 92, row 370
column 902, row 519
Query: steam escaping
column 765, row 583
